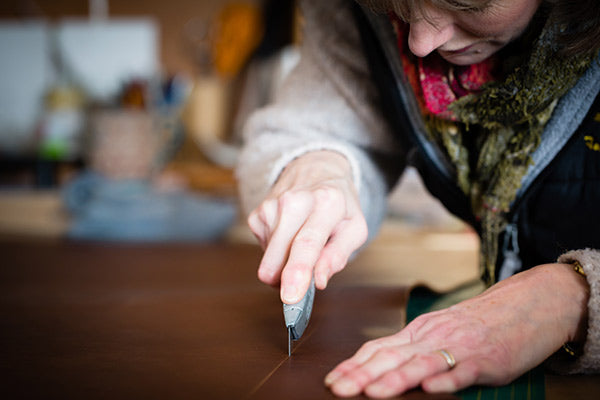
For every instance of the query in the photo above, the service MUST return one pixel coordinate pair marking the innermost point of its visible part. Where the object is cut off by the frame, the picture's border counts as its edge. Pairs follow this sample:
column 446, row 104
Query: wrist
column 318, row 166
column 576, row 296
column 318, row 158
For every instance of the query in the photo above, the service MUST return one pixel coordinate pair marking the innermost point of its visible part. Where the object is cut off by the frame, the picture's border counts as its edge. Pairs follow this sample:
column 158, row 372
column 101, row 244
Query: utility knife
column 297, row 315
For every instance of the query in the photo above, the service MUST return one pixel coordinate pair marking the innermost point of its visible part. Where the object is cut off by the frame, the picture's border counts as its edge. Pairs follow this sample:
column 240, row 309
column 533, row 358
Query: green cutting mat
column 530, row 386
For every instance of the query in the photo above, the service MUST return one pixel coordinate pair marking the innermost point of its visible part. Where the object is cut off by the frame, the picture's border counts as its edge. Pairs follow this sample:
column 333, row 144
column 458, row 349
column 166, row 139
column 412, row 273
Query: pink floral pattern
column 436, row 82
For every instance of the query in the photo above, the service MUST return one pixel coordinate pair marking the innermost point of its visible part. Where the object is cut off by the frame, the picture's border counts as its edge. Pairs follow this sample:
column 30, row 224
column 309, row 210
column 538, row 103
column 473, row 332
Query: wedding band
column 448, row 357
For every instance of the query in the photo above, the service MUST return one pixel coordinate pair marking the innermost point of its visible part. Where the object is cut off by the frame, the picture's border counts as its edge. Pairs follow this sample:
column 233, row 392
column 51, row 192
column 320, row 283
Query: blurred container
column 129, row 144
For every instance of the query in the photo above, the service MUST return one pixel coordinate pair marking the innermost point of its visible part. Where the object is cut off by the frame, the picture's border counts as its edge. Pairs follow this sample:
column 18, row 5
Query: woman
column 495, row 102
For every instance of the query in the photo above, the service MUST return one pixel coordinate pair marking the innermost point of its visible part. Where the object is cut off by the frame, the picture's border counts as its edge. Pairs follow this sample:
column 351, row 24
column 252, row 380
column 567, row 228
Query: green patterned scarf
column 502, row 126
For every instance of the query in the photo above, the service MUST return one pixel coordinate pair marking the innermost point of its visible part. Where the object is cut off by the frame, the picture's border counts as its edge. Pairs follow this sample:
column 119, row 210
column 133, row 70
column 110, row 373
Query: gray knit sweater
column 330, row 103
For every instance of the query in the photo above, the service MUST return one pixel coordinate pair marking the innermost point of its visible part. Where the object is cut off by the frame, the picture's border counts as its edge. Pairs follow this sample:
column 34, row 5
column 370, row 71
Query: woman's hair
column 579, row 19
column 404, row 8
column 582, row 21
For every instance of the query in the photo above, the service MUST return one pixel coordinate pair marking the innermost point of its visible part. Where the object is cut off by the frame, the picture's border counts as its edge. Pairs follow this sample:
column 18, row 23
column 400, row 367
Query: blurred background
column 121, row 120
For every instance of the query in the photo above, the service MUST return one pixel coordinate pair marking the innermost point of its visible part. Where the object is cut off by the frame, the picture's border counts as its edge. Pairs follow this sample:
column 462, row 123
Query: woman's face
column 468, row 37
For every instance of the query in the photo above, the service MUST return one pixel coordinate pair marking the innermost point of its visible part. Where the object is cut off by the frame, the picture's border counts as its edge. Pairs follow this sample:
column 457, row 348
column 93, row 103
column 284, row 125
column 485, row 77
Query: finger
column 307, row 245
column 349, row 237
column 262, row 220
column 355, row 380
column 463, row 375
column 257, row 228
column 293, row 211
column 365, row 352
column 407, row 376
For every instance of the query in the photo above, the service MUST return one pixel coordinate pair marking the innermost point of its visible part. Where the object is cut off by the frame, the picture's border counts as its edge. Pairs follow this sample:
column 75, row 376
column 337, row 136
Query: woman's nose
column 426, row 35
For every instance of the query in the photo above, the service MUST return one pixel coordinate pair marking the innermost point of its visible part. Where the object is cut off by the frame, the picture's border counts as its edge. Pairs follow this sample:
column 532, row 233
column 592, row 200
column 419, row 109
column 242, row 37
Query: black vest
column 561, row 211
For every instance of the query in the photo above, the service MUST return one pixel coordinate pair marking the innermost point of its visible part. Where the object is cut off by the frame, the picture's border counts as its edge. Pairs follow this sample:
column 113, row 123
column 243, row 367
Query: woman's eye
column 471, row 9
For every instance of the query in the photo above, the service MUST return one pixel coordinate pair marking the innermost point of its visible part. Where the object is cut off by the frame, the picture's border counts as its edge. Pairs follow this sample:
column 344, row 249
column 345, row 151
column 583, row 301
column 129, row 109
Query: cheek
column 518, row 18
column 505, row 22
column 519, row 15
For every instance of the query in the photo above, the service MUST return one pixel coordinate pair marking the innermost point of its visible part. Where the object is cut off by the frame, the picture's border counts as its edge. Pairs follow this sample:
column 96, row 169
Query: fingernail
column 331, row 377
column 346, row 387
column 322, row 281
column 290, row 294
column 265, row 274
column 378, row 390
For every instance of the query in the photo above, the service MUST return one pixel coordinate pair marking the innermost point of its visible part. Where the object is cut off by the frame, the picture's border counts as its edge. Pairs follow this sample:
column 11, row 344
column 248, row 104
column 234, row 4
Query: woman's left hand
column 494, row 338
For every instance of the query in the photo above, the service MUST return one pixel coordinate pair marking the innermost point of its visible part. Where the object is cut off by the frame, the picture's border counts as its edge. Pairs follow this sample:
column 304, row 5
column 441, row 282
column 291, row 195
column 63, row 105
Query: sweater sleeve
column 328, row 102
column 589, row 361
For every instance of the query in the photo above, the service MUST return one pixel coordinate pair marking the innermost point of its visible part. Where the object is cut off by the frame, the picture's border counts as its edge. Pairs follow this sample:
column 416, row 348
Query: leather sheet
column 85, row 320
column 168, row 321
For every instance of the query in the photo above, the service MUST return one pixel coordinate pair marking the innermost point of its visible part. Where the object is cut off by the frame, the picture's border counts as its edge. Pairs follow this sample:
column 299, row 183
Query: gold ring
column 448, row 357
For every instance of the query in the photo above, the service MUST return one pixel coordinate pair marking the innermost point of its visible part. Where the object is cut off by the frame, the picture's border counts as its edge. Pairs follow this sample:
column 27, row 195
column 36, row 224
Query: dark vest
column 559, row 211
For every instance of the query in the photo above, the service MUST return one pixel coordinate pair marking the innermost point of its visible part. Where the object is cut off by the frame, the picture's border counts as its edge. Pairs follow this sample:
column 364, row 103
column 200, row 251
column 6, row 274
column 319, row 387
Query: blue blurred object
column 132, row 210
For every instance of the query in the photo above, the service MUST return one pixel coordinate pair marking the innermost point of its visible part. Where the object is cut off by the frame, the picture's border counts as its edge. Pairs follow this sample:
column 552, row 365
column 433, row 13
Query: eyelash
column 483, row 10
column 475, row 10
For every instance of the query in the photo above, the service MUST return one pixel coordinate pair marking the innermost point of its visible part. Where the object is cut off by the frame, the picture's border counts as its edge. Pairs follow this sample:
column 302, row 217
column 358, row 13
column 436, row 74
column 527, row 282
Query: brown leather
column 170, row 321
column 345, row 317
column 84, row 320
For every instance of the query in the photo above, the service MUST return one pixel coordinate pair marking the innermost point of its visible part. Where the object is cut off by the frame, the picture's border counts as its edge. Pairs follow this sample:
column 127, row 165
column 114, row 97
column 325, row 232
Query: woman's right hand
column 309, row 224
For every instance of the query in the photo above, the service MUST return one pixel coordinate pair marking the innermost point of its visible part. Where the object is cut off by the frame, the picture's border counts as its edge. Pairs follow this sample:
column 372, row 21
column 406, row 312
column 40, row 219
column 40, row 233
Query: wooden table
column 173, row 321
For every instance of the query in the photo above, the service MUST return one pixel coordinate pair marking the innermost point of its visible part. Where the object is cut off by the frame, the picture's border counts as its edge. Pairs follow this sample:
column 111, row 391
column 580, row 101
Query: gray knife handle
column 297, row 315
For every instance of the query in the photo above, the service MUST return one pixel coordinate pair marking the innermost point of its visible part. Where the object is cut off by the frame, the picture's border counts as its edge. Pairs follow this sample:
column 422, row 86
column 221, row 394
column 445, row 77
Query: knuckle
column 333, row 257
column 294, row 271
column 418, row 323
column 472, row 371
column 267, row 211
column 266, row 275
column 337, row 261
column 307, row 239
column 396, row 379
column 454, row 382
column 262, row 215
column 388, row 353
column 361, row 376
column 371, row 346
column 429, row 361
column 253, row 220
column 361, row 230
column 328, row 197
column 292, row 200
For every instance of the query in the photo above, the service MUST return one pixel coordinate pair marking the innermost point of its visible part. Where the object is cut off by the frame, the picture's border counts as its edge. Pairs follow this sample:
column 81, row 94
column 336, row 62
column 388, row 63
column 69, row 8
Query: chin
column 465, row 58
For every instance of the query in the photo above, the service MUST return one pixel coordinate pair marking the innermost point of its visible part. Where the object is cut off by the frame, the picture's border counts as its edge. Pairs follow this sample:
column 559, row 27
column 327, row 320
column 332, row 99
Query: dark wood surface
column 166, row 321
column 83, row 320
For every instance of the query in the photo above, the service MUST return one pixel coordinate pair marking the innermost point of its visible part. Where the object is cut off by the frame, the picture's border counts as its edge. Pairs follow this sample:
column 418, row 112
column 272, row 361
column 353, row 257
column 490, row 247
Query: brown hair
column 404, row 8
column 579, row 19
